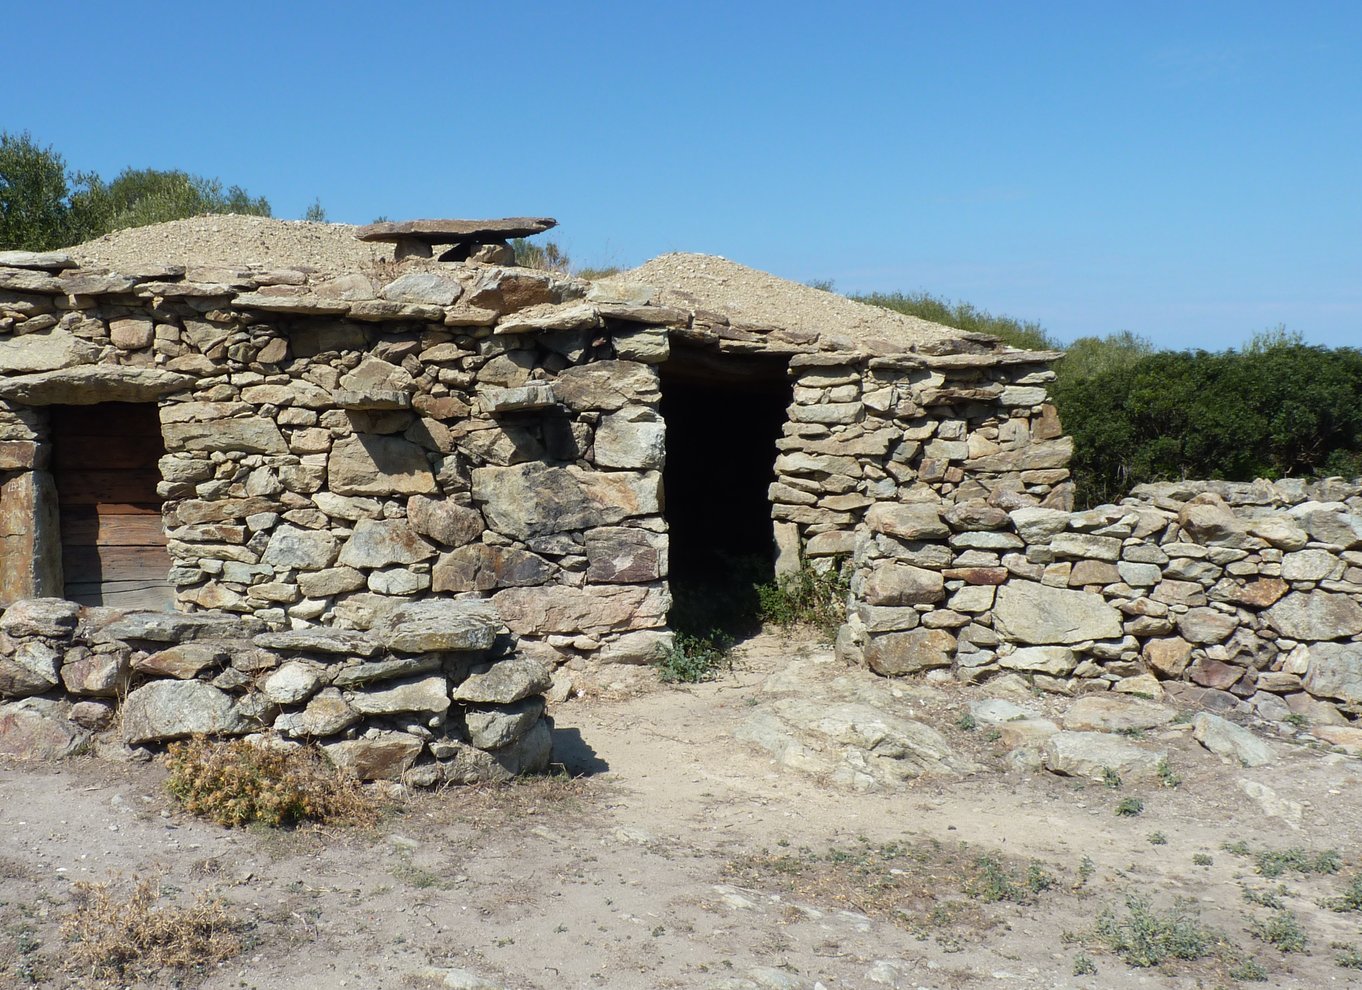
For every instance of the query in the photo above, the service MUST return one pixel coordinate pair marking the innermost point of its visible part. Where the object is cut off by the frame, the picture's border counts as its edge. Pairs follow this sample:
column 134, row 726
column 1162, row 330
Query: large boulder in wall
column 1037, row 614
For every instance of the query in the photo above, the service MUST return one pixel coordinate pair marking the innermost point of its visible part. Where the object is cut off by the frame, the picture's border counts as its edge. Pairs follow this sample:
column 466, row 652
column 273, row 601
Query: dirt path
column 688, row 858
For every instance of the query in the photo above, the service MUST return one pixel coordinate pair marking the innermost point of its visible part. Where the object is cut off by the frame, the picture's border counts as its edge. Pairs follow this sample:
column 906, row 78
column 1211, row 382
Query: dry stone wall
column 336, row 444
column 1232, row 596
column 432, row 693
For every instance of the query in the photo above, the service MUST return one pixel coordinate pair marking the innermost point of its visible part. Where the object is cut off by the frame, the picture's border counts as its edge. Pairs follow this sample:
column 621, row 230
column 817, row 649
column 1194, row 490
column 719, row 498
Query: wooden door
column 113, row 541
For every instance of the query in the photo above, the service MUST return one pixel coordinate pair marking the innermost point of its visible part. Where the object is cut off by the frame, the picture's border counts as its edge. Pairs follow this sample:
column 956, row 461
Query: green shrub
column 1351, row 898
column 805, row 598
column 1130, row 807
column 692, row 659
column 1277, row 410
column 1147, row 937
column 1283, row 931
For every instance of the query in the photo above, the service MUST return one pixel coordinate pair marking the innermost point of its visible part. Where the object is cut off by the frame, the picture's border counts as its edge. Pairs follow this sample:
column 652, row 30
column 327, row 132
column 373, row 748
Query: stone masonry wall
column 336, row 444
column 433, row 693
column 1243, row 596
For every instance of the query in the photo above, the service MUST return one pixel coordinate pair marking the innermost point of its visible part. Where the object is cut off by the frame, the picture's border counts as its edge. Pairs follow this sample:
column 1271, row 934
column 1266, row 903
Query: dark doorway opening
column 724, row 414
column 104, row 463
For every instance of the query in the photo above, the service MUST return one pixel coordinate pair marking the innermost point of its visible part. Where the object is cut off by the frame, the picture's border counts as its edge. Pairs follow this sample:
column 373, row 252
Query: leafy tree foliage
column 45, row 205
column 34, row 195
column 1281, row 409
column 1275, row 408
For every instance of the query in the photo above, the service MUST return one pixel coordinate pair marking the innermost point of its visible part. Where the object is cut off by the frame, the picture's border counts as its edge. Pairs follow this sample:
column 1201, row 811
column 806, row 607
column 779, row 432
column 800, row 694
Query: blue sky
column 1191, row 171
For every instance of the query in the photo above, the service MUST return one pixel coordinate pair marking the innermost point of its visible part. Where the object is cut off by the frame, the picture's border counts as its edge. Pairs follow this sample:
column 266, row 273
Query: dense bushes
column 44, row 205
column 1268, row 411
column 1275, row 408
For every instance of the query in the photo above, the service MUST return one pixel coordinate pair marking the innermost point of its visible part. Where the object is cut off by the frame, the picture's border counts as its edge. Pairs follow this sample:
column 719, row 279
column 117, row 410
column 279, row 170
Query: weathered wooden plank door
column 113, row 543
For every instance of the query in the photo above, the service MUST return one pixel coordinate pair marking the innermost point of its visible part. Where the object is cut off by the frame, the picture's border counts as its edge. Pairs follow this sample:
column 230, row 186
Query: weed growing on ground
column 1166, row 775
column 1283, row 931
column 1275, row 862
column 1267, row 898
column 239, row 783
column 1351, row 898
column 1111, row 778
column 1157, row 839
column 914, row 885
column 966, row 722
column 1086, row 869
column 1248, row 971
column 115, row 937
column 806, row 598
column 692, row 659
column 1129, row 807
column 1349, row 958
column 1144, row 936
column 1083, row 966
column 1202, row 859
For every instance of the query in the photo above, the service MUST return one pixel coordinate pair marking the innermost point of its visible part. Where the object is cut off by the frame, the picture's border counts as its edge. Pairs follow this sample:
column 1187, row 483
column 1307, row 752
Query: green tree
column 316, row 213
column 44, row 205
column 34, row 195
column 1088, row 356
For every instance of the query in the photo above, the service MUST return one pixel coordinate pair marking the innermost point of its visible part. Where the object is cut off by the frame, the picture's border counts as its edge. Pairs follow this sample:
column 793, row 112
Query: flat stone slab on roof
column 455, row 231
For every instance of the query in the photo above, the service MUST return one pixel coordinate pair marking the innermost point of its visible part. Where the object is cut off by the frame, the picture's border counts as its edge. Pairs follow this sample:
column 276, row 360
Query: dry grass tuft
column 116, row 937
column 489, row 805
column 239, row 783
column 920, row 885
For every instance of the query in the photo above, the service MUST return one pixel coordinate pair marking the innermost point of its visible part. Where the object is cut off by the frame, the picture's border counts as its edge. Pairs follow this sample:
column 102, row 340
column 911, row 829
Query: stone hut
column 394, row 505
column 311, row 450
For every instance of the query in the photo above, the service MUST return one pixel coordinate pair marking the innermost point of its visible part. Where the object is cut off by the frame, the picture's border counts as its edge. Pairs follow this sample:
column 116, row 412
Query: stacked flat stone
column 432, row 694
column 1231, row 596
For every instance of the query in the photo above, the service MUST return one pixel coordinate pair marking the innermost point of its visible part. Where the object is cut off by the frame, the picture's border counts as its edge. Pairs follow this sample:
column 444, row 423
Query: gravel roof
column 231, row 240
column 765, row 300
column 745, row 295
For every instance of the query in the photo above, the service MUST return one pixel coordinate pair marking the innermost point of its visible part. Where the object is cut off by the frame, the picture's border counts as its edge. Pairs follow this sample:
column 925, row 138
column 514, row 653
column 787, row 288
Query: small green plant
column 1283, row 931
column 1086, row 869
column 992, row 882
column 1202, row 859
column 241, row 783
column 1275, row 862
column 1158, row 839
column 805, row 598
column 1349, row 958
column 1129, row 807
column 1239, row 848
column 1351, row 898
column 316, row 213
column 1297, row 720
column 692, row 659
column 1166, row 775
column 1083, row 966
column 1146, row 937
column 1247, row 971
column 966, row 722
column 1267, row 898
column 1111, row 778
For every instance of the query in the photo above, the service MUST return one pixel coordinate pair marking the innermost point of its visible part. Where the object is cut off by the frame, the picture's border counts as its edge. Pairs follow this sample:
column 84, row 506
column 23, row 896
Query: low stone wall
column 1228, row 594
column 433, row 693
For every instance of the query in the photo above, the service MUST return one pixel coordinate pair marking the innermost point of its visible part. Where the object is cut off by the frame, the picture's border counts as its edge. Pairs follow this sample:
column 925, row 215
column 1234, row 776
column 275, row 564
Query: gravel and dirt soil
column 678, row 855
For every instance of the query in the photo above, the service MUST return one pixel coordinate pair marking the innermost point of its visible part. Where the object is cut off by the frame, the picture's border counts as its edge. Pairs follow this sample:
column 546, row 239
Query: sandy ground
column 624, row 876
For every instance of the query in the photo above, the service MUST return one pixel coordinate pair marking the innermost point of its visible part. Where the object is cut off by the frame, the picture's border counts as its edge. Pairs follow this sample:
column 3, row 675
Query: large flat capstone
column 92, row 384
column 1033, row 613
